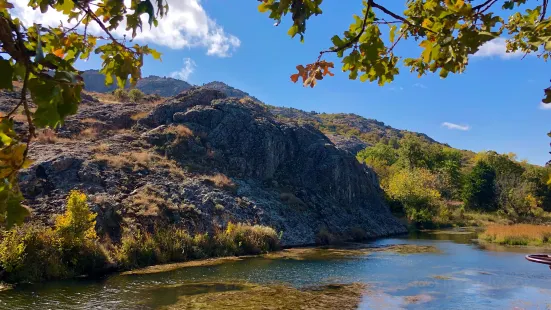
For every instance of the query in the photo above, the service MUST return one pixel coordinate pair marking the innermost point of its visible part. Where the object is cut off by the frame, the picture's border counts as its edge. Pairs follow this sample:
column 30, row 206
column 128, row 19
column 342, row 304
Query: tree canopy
column 448, row 32
column 43, row 59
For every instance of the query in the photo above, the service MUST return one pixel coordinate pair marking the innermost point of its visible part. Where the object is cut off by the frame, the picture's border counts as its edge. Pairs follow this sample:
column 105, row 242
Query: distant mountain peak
column 163, row 86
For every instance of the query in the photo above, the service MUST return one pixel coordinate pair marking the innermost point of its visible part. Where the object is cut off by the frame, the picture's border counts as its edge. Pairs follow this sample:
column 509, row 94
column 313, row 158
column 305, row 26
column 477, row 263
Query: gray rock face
column 272, row 159
column 159, row 170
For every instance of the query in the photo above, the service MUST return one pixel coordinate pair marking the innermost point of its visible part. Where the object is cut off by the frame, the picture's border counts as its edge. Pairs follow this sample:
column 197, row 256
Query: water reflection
column 463, row 273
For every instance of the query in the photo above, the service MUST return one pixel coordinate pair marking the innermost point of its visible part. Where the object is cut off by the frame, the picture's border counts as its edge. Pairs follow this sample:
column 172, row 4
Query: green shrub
column 135, row 95
column 136, row 250
column 32, row 252
column 29, row 253
column 255, row 239
column 121, row 94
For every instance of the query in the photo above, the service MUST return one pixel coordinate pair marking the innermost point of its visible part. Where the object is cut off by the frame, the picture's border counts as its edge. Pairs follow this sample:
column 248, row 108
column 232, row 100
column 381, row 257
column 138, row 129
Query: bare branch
column 478, row 7
column 544, row 10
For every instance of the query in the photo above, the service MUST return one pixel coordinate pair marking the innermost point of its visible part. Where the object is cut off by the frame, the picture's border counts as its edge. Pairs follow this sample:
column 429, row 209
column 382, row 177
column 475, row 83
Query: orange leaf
column 294, row 77
column 59, row 53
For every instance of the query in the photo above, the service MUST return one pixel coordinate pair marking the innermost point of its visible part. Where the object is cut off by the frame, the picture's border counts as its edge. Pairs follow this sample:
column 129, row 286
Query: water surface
column 462, row 275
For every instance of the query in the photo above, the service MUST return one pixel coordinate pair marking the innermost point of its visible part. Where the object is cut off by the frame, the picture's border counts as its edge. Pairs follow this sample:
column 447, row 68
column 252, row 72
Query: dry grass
column 139, row 115
column 222, row 181
column 90, row 120
column 141, row 159
column 90, row 133
column 148, row 201
column 518, row 234
column 100, row 148
column 48, row 136
column 180, row 130
column 19, row 117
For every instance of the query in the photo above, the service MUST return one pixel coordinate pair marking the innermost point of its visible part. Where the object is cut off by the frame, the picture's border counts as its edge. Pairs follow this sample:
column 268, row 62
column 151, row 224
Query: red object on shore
column 540, row 258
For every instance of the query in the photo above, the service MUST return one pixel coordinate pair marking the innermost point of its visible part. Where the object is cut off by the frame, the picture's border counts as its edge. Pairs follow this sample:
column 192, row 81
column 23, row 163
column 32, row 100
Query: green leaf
column 293, row 31
column 16, row 213
column 146, row 7
column 392, row 33
column 263, row 7
column 7, row 74
column 547, row 46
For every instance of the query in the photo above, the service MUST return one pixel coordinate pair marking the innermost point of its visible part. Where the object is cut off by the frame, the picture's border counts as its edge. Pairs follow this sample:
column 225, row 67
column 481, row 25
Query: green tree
column 449, row 32
column 416, row 190
column 43, row 59
column 380, row 157
column 380, row 151
column 479, row 192
column 413, row 152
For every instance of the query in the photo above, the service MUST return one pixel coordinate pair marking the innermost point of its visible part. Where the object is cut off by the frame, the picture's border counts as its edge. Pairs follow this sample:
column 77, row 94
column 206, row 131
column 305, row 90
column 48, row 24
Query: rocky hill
column 162, row 86
column 349, row 132
column 200, row 160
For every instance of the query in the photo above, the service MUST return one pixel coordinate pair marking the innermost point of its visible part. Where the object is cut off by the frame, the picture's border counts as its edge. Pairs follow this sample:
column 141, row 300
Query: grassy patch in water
column 442, row 277
column 248, row 296
column 417, row 299
column 351, row 250
column 518, row 234
column 188, row 264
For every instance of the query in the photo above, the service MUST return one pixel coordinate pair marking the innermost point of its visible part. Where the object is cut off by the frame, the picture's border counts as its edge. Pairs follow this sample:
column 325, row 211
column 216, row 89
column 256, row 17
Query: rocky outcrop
column 282, row 174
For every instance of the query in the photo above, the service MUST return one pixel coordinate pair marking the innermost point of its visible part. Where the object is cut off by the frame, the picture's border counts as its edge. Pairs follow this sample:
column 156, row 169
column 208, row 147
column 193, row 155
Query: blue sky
column 497, row 100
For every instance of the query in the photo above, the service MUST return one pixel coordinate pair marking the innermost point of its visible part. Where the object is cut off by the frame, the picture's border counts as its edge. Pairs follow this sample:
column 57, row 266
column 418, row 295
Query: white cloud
column 545, row 106
column 186, row 71
column 399, row 88
column 419, row 85
column 186, row 25
column 456, row 126
column 496, row 47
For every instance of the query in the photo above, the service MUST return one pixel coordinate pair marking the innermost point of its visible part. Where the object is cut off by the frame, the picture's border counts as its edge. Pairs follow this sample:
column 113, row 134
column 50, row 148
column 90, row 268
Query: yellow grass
column 49, row 136
column 518, row 234
column 101, row 148
column 222, row 181
column 90, row 120
column 142, row 159
column 180, row 130
column 139, row 115
column 90, row 133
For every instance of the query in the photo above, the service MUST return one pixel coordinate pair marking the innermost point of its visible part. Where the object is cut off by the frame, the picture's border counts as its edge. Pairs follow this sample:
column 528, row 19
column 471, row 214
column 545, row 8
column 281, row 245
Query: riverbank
column 32, row 253
column 456, row 271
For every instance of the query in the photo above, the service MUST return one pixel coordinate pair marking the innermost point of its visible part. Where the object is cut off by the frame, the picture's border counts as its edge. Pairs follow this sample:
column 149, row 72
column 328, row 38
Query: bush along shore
column 33, row 252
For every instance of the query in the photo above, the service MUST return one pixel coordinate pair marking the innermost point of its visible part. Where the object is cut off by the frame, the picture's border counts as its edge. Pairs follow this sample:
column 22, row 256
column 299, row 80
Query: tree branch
column 102, row 26
column 396, row 16
column 544, row 10
column 353, row 40
column 478, row 7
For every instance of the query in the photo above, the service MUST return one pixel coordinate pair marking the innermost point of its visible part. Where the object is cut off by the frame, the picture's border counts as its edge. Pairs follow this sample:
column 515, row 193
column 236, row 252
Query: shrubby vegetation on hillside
column 433, row 183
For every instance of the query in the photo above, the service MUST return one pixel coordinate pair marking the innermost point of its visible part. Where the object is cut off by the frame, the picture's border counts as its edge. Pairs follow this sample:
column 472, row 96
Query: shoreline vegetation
column 34, row 253
column 518, row 234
